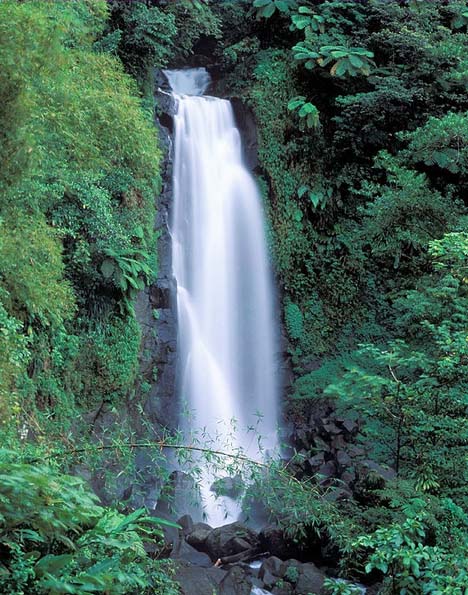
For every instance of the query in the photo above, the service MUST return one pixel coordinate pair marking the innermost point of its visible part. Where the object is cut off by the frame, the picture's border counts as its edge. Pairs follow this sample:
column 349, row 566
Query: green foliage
column 126, row 267
column 412, row 391
column 317, row 196
column 108, row 361
column 367, row 213
column 55, row 538
column 13, row 360
column 301, row 509
column 404, row 214
column 294, row 320
column 81, row 170
column 194, row 19
column 305, row 19
column 267, row 8
column 374, row 168
column 346, row 61
column 32, row 271
column 442, row 142
column 337, row 587
column 146, row 34
column 149, row 35
column 409, row 565
column 306, row 110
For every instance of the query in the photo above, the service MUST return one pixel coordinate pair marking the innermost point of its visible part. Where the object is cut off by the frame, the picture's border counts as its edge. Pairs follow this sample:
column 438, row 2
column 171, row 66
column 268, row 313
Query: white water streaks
column 226, row 328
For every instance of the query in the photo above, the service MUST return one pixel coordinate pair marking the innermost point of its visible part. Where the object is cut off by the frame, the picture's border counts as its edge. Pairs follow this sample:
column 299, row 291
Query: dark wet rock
column 302, row 438
column 316, row 461
column 236, row 582
column 373, row 589
column 165, row 103
column 198, row 536
column 186, row 552
column 343, row 459
column 186, row 523
column 269, row 580
column 356, row 451
column 310, row 580
column 349, row 476
column 271, row 571
column 239, row 544
column 155, row 306
column 320, row 445
column 327, row 471
column 256, row 582
column 252, row 572
column 173, row 536
column 246, row 124
column 230, row 539
column 351, row 426
column 273, row 565
column 194, row 580
column 329, row 427
column 338, row 442
column 284, row 588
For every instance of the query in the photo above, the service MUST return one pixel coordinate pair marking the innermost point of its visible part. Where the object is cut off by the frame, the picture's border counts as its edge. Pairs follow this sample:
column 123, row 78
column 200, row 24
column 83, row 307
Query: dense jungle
column 353, row 118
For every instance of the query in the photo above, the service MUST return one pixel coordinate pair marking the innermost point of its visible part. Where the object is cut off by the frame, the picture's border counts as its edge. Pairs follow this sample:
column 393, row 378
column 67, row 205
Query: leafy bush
column 411, row 390
column 32, row 271
column 55, row 538
column 81, row 171
column 409, row 565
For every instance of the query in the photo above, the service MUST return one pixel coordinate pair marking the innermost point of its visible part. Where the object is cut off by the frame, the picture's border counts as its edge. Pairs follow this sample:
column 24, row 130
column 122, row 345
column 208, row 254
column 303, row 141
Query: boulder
column 316, row 461
column 337, row 494
column 329, row 428
column 229, row 539
column 269, row 580
column 274, row 566
column 343, row 459
column 186, row 524
column 186, row 552
column 349, row 476
column 283, row 589
column 327, row 471
column 198, row 536
column 236, row 582
column 356, row 451
column 350, row 425
column 310, row 580
column 338, row 442
column 194, row 580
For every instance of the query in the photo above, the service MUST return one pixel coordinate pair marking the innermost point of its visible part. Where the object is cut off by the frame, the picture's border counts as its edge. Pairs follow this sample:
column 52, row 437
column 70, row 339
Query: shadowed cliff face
column 246, row 124
column 156, row 309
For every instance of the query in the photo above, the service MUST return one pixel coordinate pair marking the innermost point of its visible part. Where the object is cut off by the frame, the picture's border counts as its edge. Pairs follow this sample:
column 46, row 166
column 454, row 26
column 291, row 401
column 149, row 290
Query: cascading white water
column 226, row 327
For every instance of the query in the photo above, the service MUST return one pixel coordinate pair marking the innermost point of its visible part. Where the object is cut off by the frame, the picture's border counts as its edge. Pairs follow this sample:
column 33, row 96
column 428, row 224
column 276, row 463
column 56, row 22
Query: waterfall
column 226, row 327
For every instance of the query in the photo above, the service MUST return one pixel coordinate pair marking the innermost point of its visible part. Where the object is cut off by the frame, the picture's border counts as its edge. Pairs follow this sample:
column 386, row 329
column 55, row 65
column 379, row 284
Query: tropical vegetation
column 361, row 114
